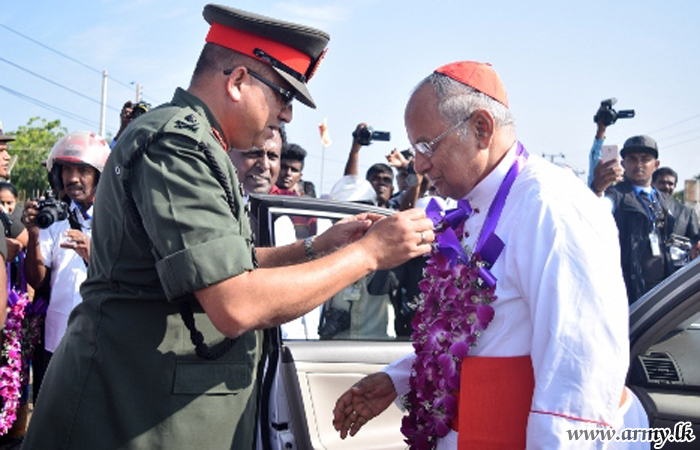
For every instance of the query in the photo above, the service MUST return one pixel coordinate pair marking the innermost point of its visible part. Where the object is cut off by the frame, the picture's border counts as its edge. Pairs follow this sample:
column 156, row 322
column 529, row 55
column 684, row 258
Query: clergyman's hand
column 361, row 403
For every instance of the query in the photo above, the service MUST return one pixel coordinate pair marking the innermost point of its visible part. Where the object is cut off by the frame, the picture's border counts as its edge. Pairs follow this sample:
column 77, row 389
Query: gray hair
column 457, row 101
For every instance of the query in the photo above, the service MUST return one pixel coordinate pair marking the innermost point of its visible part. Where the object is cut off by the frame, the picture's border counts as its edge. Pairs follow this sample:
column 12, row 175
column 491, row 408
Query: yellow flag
column 325, row 135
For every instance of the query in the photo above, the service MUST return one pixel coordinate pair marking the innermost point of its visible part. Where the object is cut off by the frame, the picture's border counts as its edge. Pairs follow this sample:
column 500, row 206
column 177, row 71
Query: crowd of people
column 158, row 294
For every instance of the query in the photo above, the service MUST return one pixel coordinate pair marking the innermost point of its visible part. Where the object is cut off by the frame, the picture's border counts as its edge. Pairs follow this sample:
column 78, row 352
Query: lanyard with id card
column 648, row 201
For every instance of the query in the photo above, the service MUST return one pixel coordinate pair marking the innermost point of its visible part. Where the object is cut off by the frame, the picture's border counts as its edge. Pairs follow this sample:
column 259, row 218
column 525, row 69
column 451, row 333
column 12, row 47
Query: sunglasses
column 287, row 96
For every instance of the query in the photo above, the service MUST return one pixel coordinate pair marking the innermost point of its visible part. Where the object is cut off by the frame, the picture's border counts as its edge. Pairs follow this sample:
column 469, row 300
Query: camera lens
column 45, row 218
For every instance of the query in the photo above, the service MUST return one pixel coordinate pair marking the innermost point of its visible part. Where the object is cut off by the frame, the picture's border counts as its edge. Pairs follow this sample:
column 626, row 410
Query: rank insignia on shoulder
column 190, row 126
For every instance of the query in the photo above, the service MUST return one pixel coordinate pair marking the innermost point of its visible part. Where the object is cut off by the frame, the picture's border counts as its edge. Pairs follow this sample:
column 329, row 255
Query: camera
column 51, row 210
column 140, row 108
column 333, row 321
column 608, row 116
column 366, row 135
column 679, row 250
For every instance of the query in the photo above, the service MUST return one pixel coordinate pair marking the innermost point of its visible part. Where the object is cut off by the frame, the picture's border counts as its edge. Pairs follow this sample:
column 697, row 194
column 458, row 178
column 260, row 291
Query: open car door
column 310, row 375
column 665, row 352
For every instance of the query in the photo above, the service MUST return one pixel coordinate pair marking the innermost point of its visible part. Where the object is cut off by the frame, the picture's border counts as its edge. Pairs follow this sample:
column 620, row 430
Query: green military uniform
column 126, row 374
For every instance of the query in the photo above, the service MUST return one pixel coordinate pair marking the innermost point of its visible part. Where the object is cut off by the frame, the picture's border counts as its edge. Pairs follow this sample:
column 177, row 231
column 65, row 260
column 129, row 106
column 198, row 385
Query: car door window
column 379, row 306
column 325, row 368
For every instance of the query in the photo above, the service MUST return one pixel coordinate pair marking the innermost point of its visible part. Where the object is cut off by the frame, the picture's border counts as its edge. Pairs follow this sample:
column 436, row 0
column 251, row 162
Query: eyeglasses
column 427, row 149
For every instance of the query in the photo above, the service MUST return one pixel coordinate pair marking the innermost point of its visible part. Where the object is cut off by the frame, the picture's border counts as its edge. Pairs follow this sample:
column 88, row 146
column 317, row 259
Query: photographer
column 379, row 175
column 652, row 243
column 129, row 112
column 59, row 234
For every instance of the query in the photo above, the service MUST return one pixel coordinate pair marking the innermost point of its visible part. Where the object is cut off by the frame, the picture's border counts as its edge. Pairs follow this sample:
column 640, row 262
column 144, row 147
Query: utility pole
column 103, row 110
column 138, row 92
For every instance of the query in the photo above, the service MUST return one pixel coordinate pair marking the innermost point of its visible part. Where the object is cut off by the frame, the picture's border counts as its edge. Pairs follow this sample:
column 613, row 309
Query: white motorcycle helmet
column 82, row 147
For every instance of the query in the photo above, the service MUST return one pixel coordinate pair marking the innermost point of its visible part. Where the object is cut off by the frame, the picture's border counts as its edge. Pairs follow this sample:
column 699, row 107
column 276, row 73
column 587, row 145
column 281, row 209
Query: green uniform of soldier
column 165, row 350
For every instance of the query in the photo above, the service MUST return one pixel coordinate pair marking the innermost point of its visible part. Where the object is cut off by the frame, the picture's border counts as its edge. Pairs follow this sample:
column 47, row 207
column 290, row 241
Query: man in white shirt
column 59, row 237
column 553, row 293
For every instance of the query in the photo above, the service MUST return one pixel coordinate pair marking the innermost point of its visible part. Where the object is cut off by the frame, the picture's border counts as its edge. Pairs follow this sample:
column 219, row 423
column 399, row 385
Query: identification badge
column 654, row 241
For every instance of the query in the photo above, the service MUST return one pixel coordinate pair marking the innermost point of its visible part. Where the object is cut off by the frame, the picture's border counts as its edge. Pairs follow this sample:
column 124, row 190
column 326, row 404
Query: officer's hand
column 605, row 174
column 395, row 239
column 345, row 232
column 76, row 240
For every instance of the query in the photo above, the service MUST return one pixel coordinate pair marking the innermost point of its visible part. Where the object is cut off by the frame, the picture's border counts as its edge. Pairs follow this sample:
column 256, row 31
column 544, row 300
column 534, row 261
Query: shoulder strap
column 73, row 220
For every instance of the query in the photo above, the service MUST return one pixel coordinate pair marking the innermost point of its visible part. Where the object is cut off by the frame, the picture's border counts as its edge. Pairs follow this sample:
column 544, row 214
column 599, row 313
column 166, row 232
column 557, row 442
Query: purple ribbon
column 447, row 241
column 494, row 214
column 434, row 212
column 456, row 217
column 37, row 307
column 489, row 246
column 449, row 245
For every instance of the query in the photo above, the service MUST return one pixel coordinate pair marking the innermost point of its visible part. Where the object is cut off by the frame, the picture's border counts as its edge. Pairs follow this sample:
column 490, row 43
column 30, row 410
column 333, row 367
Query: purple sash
column 489, row 246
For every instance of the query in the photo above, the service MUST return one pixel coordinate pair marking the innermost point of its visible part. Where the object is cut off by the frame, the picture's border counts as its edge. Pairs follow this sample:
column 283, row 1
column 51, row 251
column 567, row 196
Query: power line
column 126, row 85
column 674, row 124
column 52, row 108
column 51, row 49
column 58, row 84
column 681, row 143
column 682, row 134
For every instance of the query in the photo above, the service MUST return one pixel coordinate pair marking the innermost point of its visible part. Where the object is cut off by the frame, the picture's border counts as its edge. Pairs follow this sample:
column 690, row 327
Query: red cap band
column 246, row 43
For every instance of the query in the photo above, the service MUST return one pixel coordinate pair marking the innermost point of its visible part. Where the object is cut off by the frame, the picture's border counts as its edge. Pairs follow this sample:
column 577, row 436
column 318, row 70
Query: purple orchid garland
column 20, row 338
column 453, row 309
column 13, row 374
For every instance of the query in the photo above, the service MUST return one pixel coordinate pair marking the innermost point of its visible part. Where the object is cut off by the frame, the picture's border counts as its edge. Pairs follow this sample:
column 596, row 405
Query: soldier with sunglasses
column 167, row 350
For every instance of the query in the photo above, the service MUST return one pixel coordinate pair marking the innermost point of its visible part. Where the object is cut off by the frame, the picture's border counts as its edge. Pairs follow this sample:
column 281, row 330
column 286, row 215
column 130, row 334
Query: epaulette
column 186, row 122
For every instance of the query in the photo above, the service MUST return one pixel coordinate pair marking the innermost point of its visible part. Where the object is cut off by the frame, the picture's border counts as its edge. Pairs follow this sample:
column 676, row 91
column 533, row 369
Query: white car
column 298, row 398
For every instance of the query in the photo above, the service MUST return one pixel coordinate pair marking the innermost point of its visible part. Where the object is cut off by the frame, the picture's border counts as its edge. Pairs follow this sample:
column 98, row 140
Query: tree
column 32, row 147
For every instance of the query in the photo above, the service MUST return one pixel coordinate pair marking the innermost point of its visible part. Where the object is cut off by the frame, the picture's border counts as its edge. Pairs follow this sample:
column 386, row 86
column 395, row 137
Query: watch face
column 412, row 179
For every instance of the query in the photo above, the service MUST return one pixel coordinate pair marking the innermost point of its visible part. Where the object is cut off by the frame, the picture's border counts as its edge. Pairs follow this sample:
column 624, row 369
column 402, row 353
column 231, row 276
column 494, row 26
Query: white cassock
column 561, row 300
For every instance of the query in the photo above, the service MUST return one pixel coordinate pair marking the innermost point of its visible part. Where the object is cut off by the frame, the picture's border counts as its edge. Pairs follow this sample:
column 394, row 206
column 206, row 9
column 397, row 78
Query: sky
column 557, row 59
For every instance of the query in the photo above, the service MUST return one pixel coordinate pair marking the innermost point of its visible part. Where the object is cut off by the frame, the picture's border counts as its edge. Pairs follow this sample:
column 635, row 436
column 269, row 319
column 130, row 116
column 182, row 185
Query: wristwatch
column 309, row 248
